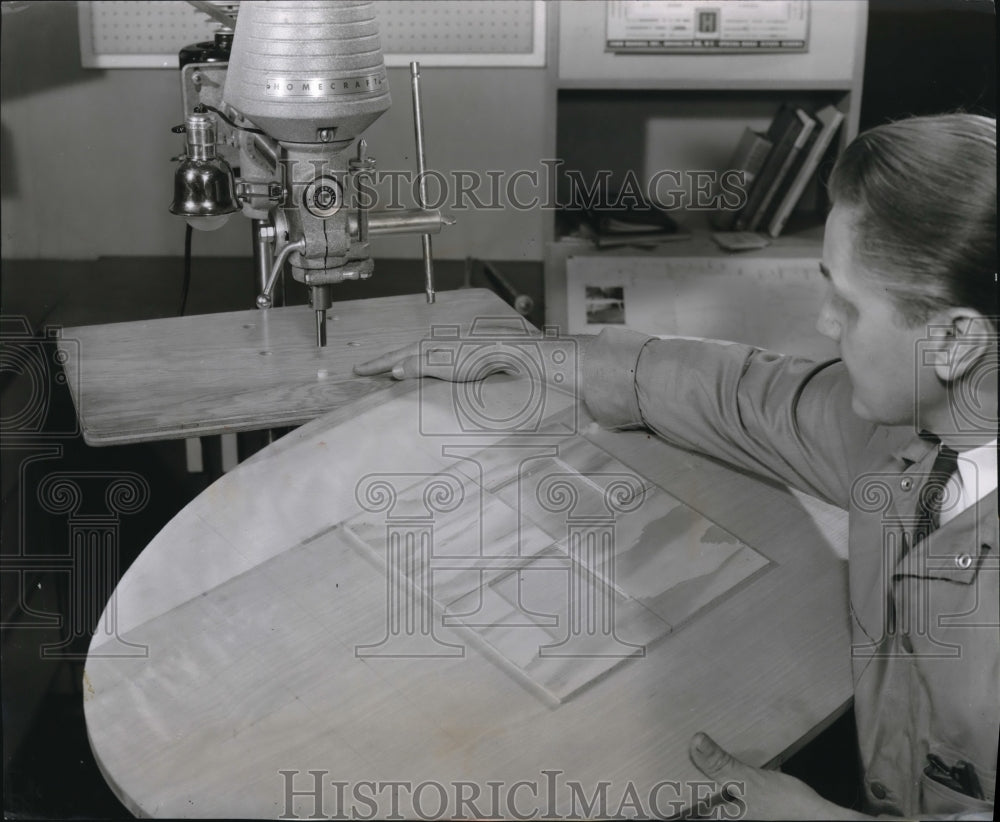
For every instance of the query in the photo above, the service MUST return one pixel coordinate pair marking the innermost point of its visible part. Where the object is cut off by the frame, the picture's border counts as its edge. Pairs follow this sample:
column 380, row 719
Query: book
column 784, row 170
column 783, row 132
column 740, row 240
column 636, row 223
column 749, row 157
column 829, row 120
column 648, row 238
column 640, row 217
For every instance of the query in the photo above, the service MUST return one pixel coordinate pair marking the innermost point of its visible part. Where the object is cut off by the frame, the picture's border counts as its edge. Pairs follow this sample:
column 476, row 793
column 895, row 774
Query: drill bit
column 321, row 327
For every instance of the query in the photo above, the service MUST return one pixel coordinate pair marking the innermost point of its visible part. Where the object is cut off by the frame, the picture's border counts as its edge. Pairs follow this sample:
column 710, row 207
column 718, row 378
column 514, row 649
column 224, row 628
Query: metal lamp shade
column 204, row 188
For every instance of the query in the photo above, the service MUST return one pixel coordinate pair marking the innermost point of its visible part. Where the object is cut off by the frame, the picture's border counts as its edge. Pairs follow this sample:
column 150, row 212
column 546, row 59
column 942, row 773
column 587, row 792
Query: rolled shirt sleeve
column 782, row 417
column 609, row 377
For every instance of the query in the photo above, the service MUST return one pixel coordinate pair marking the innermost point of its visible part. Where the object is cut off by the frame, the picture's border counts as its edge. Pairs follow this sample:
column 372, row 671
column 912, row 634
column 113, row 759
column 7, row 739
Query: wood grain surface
column 242, row 370
column 234, row 649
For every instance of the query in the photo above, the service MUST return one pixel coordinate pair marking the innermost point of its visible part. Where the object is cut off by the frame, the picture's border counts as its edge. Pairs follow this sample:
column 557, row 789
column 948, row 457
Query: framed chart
column 697, row 26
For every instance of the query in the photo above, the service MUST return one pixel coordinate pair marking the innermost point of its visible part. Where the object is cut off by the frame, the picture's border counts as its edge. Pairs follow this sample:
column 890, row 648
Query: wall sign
column 707, row 26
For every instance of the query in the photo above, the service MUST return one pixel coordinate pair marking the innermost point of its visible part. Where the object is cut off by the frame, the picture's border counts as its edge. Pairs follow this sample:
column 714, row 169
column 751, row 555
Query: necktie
column 930, row 502
column 933, row 494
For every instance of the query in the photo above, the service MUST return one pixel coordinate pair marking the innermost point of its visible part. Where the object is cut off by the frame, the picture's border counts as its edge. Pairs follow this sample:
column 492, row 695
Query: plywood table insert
column 562, row 560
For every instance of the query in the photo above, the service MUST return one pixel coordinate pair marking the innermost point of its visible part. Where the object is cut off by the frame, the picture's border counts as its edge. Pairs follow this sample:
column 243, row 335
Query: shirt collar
column 977, row 468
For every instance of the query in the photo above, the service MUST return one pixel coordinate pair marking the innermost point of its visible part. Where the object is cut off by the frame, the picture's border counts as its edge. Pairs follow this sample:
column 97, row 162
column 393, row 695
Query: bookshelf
column 644, row 113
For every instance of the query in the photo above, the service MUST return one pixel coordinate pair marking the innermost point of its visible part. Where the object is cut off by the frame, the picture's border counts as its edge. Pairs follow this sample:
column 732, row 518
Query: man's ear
column 963, row 337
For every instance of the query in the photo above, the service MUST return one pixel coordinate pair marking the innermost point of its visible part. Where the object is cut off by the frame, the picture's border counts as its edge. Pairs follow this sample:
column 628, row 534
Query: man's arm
column 782, row 417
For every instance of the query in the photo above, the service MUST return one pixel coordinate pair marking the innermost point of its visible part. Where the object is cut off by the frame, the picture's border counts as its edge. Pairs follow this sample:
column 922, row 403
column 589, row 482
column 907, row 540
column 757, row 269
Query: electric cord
column 186, row 284
column 225, row 117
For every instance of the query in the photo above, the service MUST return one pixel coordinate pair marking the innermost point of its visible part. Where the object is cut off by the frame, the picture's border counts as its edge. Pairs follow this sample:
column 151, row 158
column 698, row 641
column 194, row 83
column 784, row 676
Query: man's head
column 910, row 250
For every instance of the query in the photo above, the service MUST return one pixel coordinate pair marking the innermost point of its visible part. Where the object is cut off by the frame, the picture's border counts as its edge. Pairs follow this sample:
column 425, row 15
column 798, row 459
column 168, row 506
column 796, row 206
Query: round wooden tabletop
column 369, row 618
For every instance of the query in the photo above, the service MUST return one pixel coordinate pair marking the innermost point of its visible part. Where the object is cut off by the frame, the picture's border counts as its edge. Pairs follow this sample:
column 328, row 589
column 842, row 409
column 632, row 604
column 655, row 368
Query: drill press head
column 310, row 75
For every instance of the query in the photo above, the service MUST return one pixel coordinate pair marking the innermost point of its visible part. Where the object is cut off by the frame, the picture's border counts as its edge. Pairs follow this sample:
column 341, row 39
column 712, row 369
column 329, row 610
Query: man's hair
column 924, row 196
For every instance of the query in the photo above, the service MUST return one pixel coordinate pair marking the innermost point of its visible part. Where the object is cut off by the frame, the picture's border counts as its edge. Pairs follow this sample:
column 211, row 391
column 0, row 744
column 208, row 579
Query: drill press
column 304, row 79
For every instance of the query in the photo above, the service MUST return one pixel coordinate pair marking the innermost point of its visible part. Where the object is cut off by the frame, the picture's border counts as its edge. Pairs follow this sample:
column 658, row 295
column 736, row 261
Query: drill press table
column 242, row 370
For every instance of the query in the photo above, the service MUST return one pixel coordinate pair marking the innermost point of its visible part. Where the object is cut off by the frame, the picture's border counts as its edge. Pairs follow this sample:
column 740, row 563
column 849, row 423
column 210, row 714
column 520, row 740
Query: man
column 901, row 431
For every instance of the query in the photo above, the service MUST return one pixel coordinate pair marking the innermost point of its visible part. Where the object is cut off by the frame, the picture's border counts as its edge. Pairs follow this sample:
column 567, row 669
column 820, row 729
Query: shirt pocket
column 937, row 799
column 940, row 800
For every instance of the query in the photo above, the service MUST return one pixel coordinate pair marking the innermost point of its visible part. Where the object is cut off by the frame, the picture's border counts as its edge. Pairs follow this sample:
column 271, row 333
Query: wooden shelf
column 694, row 84
column 700, row 243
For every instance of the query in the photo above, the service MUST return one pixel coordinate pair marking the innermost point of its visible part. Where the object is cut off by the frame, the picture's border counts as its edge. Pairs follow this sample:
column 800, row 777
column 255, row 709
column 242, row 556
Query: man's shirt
column 975, row 479
column 925, row 612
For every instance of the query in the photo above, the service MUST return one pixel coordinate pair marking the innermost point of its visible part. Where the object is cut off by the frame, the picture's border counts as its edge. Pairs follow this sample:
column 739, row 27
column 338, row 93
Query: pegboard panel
column 456, row 26
column 155, row 27
column 149, row 33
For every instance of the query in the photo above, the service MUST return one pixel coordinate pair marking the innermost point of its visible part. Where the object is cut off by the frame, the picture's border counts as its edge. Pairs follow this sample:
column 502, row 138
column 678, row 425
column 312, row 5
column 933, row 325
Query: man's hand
column 432, row 359
column 401, row 363
column 754, row 793
column 487, row 348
